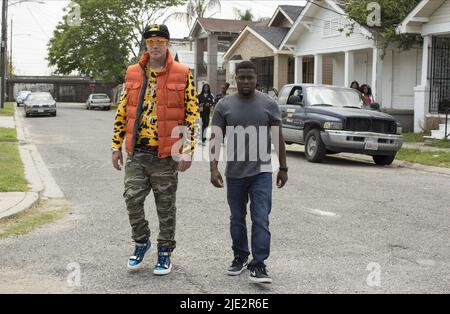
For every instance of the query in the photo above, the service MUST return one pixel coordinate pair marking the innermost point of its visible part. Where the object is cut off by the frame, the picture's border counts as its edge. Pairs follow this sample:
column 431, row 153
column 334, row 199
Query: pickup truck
column 330, row 119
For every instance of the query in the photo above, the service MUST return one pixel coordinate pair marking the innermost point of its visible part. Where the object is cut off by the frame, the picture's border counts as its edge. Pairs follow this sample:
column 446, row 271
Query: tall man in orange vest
column 159, row 97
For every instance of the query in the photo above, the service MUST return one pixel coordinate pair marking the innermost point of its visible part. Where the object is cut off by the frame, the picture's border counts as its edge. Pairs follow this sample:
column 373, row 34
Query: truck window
column 296, row 96
column 283, row 96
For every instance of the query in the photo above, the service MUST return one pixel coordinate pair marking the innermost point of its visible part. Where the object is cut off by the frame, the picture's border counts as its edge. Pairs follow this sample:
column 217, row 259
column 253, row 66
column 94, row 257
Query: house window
column 264, row 70
column 331, row 27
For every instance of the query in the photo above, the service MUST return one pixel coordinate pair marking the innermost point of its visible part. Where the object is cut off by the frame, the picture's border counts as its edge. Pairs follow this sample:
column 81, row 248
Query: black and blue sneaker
column 163, row 265
column 135, row 262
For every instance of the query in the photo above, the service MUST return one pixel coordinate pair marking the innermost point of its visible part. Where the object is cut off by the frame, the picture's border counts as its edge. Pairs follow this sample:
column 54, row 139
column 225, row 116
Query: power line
column 321, row 6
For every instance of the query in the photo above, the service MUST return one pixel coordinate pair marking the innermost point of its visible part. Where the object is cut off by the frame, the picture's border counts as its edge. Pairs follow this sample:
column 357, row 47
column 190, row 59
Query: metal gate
column 440, row 75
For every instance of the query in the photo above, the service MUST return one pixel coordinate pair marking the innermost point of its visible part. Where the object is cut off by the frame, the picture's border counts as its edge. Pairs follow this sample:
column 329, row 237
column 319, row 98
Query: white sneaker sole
column 235, row 273
column 163, row 272
column 138, row 267
column 260, row 280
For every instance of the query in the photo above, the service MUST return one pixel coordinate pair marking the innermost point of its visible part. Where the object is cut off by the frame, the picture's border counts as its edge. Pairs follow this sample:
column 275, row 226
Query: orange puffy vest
column 170, row 87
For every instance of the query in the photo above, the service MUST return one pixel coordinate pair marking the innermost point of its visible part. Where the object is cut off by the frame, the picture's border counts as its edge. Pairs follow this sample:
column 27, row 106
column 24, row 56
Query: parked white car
column 101, row 101
column 21, row 96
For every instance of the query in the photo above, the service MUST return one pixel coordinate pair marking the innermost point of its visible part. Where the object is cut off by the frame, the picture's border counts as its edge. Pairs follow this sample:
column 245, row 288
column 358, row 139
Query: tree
column 393, row 12
column 246, row 15
column 196, row 9
column 107, row 38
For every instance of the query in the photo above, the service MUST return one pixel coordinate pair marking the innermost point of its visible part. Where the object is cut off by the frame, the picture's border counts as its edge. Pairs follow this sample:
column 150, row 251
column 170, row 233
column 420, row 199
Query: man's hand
column 216, row 179
column 117, row 160
column 184, row 163
column 282, row 178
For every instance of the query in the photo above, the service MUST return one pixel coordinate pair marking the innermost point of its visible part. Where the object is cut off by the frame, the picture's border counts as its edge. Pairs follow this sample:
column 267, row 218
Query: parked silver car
column 40, row 104
column 101, row 101
column 21, row 96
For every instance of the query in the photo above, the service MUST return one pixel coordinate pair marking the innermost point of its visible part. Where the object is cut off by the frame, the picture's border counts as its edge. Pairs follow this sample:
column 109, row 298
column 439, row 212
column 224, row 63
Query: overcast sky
column 33, row 25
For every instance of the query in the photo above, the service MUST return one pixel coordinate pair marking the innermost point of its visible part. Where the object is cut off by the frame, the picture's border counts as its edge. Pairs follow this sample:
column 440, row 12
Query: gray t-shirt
column 247, row 124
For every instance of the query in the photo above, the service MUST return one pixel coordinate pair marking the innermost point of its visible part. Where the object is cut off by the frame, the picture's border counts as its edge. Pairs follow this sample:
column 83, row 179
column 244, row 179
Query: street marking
column 321, row 212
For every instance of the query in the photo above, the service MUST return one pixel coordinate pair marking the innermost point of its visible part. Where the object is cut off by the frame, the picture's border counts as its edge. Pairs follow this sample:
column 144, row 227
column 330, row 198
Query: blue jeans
column 257, row 189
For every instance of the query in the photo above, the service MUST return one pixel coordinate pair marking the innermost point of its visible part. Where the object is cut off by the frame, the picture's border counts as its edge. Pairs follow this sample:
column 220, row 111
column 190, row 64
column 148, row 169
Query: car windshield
column 100, row 97
column 39, row 97
column 333, row 97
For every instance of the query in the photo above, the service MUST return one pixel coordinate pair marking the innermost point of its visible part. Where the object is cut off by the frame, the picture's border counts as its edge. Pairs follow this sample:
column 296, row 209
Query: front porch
column 342, row 68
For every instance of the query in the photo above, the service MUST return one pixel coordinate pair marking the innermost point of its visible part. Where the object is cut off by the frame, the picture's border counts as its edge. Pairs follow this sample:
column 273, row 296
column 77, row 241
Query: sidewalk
column 422, row 147
column 40, row 181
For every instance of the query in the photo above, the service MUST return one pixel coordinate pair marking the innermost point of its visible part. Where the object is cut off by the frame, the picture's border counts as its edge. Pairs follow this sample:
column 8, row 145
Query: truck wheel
column 315, row 150
column 383, row 160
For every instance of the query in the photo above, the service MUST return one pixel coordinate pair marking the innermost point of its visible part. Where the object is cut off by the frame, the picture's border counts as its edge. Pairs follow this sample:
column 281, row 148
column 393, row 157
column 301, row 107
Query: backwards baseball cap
column 156, row 30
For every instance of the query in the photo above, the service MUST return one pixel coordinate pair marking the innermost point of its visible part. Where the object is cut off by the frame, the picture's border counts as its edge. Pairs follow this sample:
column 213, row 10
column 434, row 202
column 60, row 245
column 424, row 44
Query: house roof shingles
column 273, row 35
column 292, row 11
column 221, row 25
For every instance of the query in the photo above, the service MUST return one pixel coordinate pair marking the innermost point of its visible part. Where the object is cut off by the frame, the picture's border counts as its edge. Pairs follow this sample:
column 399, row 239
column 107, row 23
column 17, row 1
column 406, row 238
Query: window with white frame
column 331, row 27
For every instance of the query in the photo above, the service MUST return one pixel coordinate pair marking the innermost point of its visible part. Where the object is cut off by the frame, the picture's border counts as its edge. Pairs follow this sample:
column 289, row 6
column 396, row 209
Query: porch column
column 377, row 75
column 198, row 58
column 349, row 68
column 212, row 62
column 425, row 60
column 298, row 73
column 422, row 92
column 280, row 71
column 318, row 69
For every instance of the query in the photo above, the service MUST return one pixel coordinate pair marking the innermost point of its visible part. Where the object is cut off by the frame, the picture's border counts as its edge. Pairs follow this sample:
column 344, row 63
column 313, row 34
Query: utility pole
column 10, row 64
column 3, row 52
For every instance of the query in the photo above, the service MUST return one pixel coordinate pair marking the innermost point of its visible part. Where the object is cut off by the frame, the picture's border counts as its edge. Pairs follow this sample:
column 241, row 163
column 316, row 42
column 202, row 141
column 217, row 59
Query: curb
column 395, row 164
column 41, row 182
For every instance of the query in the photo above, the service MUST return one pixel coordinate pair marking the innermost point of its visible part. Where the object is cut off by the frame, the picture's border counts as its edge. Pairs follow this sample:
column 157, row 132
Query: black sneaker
column 258, row 274
column 237, row 266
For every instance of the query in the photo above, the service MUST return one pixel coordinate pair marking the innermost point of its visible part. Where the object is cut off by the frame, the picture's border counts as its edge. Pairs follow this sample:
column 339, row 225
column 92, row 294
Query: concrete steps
column 439, row 134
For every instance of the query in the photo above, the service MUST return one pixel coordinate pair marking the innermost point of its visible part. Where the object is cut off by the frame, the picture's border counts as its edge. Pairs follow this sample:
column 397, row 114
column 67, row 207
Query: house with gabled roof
column 213, row 36
column 431, row 20
column 321, row 33
column 261, row 45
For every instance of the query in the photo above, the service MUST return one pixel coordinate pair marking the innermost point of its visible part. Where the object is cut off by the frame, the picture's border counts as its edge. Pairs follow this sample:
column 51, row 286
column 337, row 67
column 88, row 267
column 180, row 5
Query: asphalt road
column 338, row 227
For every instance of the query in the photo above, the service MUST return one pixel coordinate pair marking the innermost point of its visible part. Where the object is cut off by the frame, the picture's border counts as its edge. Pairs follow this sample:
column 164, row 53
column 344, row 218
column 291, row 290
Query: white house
column 316, row 34
column 431, row 19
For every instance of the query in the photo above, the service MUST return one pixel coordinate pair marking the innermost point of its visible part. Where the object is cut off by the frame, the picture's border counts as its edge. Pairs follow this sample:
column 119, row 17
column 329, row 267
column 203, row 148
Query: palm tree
column 195, row 9
column 246, row 15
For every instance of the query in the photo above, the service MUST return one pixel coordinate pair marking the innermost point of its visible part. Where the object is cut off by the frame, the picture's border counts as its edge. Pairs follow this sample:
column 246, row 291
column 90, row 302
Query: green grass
column 8, row 135
column 439, row 144
column 37, row 216
column 436, row 159
column 12, row 176
column 8, row 110
column 413, row 137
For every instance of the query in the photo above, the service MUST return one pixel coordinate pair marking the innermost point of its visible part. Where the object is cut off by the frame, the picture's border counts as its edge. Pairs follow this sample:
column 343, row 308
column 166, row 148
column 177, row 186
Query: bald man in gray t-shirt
column 250, row 119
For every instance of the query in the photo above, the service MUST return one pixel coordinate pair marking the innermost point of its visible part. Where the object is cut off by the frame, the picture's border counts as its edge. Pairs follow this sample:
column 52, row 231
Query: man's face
column 246, row 81
column 157, row 47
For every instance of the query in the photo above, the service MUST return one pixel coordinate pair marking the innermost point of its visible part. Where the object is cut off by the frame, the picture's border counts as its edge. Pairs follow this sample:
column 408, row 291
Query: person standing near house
column 355, row 85
column 366, row 92
column 223, row 92
column 206, row 101
column 249, row 169
column 159, row 96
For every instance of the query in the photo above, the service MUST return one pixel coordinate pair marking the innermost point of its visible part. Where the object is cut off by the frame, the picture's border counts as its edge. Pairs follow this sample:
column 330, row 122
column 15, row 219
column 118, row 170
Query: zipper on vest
column 139, row 110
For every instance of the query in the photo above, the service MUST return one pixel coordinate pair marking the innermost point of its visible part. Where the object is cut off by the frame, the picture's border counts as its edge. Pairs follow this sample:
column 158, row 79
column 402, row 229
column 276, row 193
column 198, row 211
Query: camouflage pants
column 145, row 172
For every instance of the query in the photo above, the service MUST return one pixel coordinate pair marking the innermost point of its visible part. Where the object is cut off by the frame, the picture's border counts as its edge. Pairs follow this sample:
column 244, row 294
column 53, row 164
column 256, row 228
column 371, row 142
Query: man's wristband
column 283, row 169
